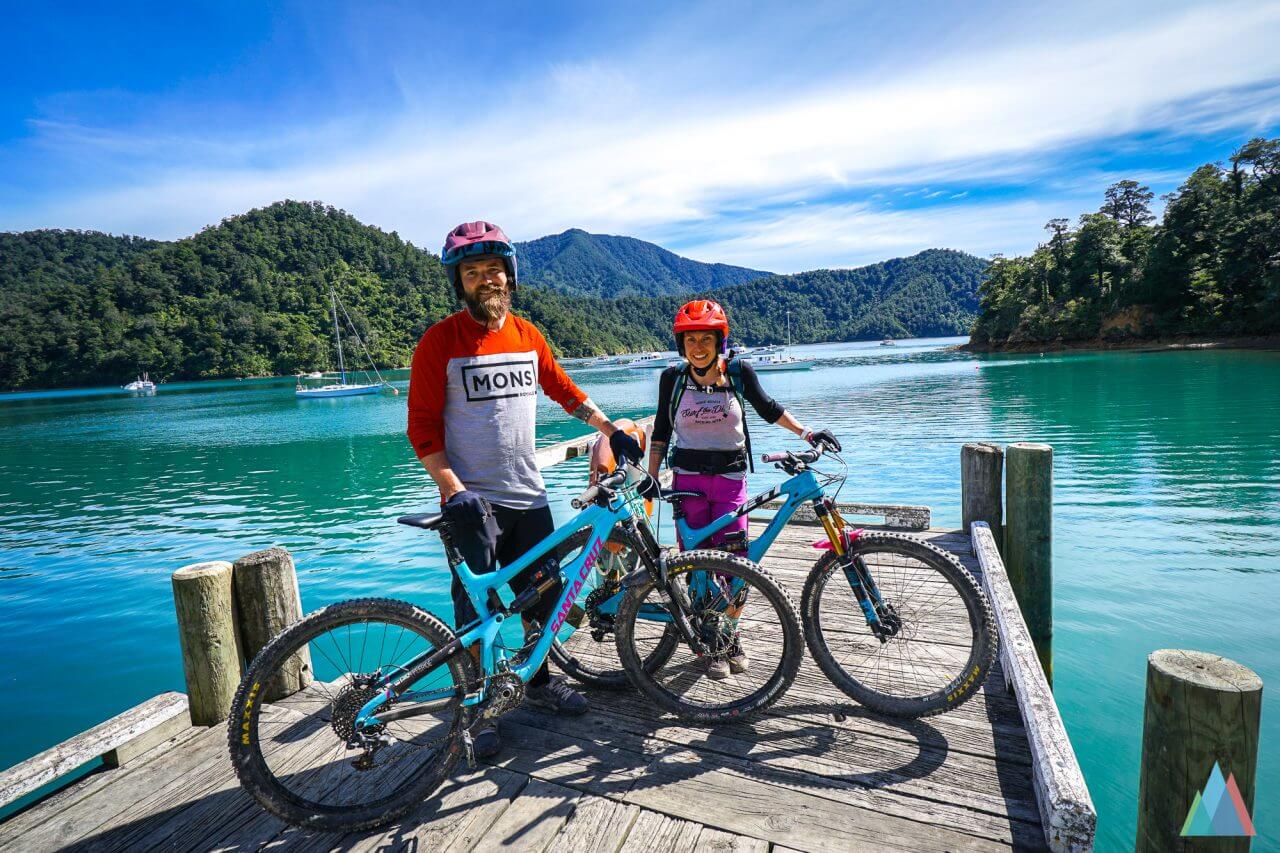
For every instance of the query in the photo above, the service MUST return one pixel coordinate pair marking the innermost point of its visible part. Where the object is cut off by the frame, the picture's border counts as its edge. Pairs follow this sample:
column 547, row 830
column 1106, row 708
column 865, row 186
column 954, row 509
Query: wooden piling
column 267, row 602
column 1028, row 540
column 1201, row 709
column 981, row 482
column 211, row 658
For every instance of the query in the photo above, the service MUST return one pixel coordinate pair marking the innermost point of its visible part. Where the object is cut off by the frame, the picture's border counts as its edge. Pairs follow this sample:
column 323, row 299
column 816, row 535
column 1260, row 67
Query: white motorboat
column 650, row 360
column 141, row 385
column 779, row 361
column 774, row 357
column 888, row 342
column 342, row 388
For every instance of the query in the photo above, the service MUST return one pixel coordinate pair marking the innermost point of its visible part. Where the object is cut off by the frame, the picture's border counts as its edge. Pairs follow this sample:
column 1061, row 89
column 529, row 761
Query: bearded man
column 472, row 423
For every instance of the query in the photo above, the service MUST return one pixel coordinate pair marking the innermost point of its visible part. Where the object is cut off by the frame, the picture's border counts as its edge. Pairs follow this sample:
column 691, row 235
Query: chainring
column 504, row 692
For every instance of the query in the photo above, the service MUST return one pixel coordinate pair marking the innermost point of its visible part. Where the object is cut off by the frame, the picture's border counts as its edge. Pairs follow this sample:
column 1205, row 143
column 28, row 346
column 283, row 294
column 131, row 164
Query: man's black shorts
column 503, row 538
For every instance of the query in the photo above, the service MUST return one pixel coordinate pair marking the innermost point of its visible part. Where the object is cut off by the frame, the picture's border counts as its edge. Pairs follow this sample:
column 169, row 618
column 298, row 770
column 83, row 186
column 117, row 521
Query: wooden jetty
column 814, row 773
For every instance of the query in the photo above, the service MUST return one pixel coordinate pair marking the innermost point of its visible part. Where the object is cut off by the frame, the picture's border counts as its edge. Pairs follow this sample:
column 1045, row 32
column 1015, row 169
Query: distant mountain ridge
column 582, row 264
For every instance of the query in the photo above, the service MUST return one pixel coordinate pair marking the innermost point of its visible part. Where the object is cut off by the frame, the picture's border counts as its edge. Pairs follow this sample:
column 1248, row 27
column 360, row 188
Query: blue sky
column 771, row 135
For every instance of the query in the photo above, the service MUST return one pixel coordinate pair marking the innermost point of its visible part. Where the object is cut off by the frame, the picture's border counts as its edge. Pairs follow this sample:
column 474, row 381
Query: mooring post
column 981, row 481
column 267, row 602
column 1028, row 541
column 1201, row 711
column 211, row 656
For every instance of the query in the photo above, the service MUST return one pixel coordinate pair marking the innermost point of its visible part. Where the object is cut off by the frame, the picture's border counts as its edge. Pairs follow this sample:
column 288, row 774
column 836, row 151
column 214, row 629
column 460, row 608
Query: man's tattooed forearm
column 585, row 412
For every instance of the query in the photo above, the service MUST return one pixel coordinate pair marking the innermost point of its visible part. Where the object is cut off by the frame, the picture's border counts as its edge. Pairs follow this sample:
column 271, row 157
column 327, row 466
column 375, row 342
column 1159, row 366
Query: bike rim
column 688, row 678
column 934, row 647
column 300, row 738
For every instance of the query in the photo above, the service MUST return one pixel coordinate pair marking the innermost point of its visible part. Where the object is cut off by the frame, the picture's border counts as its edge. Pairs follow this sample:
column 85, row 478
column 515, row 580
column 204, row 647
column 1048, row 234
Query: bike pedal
column 468, row 748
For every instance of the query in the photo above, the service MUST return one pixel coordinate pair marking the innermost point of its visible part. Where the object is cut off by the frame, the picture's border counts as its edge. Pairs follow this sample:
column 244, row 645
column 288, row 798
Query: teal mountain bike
column 356, row 713
column 893, row 621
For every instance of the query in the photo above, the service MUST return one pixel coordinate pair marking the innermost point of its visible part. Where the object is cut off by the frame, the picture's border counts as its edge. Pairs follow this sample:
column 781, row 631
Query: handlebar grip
column 586, row 498
column 774, row 457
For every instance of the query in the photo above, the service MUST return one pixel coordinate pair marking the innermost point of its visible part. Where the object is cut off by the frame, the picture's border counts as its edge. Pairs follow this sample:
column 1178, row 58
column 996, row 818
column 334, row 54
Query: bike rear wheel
column 944, row 646
column 768, row 630
column 590, row 653
column 293, row 753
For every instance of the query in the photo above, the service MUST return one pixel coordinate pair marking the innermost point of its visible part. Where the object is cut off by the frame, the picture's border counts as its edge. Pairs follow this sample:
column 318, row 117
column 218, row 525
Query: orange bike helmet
column 701, row 315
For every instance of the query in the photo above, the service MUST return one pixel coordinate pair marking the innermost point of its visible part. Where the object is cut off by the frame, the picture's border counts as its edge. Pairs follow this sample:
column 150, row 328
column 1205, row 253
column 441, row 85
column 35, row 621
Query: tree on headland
column 1210, row 267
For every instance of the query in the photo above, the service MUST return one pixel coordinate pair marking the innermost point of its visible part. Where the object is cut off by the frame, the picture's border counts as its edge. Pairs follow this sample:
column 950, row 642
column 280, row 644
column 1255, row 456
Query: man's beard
column 489, row 302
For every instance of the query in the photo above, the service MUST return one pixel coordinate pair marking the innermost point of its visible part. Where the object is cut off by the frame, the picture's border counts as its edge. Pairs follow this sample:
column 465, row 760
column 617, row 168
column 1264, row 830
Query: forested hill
column 1210, row 268
column 583, row 264
column 932, row 293
column 249, row 297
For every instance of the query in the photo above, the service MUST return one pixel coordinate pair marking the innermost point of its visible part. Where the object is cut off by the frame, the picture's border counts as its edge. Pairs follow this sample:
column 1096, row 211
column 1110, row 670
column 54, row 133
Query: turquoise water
column 1167, row 516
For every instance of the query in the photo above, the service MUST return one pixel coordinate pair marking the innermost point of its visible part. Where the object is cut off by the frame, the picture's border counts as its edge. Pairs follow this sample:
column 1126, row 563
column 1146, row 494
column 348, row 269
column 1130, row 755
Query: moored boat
column 141, row 385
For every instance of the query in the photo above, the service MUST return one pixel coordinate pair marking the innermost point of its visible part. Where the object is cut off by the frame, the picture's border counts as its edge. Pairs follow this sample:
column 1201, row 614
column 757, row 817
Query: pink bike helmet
column 472, row 239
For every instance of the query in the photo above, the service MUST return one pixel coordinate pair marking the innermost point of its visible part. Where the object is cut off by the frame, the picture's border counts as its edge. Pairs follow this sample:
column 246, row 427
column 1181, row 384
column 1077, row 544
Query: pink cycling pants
column 723, row 494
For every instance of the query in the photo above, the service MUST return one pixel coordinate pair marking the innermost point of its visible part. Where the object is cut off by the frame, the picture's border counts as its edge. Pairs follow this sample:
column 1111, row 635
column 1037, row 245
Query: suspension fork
column 854, row 567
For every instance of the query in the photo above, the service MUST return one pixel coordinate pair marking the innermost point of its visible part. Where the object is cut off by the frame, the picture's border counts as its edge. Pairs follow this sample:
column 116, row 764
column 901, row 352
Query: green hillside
column 583, row 264
column 1209, row 269
column 249, row 297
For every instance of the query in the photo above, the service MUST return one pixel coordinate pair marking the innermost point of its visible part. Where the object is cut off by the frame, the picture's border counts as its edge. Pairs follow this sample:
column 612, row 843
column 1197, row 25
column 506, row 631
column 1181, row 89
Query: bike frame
column 802, row 488
column 482, row 591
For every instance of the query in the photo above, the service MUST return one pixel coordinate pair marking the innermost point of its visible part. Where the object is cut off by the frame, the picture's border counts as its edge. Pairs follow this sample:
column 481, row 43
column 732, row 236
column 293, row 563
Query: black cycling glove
column 650, row 488
column 625, row 447
column 823, row 438
column 466, row 508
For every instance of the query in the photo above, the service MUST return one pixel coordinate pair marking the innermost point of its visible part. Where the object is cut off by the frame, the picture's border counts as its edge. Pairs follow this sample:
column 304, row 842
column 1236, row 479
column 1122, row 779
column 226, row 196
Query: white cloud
column 677, row 161
column 848, row 235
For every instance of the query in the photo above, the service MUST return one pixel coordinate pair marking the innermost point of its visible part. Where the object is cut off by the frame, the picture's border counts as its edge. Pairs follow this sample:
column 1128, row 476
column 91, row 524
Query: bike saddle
column 426, row 520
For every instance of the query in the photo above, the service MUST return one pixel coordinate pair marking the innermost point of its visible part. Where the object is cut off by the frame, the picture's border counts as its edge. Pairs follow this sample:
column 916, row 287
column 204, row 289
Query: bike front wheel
column 943, row 637
column 292, row 730
column 748, row 627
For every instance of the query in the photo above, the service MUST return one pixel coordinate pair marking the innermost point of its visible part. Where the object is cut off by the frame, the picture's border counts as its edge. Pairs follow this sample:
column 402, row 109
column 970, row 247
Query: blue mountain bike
column 893, row 621
column 356, row 713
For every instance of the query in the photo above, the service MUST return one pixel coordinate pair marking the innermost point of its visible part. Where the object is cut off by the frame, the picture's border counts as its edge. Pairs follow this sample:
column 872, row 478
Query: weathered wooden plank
column 727, row 842
column 532, row 820
column 657, row 833
column 804, row 750
column 56, row 813
column 454, row 818
column 144, row 743
column 1070, row 820
column 601, row 763
column 119, row 731
column 685, row 785
column 597, row 825
column 552, row 454
column 132, row 799
column 799, row 766
column 894, row 515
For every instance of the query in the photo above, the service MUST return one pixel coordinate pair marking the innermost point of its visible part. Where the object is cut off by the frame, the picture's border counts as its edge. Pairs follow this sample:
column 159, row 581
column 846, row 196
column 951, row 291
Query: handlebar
column 805, row 456
column 604, row 487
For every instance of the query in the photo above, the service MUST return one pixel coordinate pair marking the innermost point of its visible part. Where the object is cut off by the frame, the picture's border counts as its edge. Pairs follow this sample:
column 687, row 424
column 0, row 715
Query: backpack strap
column 734, row 370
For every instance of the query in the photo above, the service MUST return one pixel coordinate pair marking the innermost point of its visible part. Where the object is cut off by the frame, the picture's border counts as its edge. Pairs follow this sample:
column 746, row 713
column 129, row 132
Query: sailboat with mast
column 343, row 388
column 780, row 360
